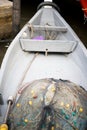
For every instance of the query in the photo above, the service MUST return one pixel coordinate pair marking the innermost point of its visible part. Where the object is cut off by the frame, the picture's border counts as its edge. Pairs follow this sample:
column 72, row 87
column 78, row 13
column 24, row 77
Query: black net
column 50, row 104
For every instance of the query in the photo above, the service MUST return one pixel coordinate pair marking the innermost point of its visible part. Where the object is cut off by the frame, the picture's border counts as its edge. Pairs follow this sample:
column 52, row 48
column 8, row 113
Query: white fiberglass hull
column 21, row 67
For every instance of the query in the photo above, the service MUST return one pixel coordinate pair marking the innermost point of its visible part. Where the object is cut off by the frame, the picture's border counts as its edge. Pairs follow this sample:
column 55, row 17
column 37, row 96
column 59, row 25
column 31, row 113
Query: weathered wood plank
column 5, row 18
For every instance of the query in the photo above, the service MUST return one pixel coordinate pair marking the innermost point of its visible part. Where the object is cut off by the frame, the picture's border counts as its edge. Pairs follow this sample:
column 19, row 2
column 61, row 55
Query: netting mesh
column 50, row 104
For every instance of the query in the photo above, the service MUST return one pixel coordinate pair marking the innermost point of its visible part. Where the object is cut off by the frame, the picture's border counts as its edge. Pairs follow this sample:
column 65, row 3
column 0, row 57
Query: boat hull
column 20, row 67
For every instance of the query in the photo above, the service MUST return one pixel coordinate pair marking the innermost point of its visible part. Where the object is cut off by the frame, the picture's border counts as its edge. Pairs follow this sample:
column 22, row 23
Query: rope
column 49, row 35
column 24, row 75
column 31, row 30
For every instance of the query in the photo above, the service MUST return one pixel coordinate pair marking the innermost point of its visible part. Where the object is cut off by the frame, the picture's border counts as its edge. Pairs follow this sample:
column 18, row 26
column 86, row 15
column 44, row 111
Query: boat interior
column 52, row 36
column 46, row 47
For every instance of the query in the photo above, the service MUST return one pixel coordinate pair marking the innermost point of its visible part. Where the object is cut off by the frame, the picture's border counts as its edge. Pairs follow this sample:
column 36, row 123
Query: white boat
column 46, row 47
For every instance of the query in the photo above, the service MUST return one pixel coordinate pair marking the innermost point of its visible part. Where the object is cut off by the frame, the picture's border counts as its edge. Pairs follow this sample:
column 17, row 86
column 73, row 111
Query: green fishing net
column 50, row 104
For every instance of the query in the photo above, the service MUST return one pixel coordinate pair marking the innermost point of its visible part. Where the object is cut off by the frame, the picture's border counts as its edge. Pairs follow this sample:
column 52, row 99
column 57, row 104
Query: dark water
column 71, row 11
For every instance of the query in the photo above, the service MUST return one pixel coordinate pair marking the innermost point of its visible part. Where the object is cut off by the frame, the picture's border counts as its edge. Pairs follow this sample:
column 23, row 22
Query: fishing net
column 50, row 104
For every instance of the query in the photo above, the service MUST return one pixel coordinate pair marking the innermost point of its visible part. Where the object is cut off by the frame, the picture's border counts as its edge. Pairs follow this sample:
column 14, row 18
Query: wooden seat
column 49, row 28
column 58, row 46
